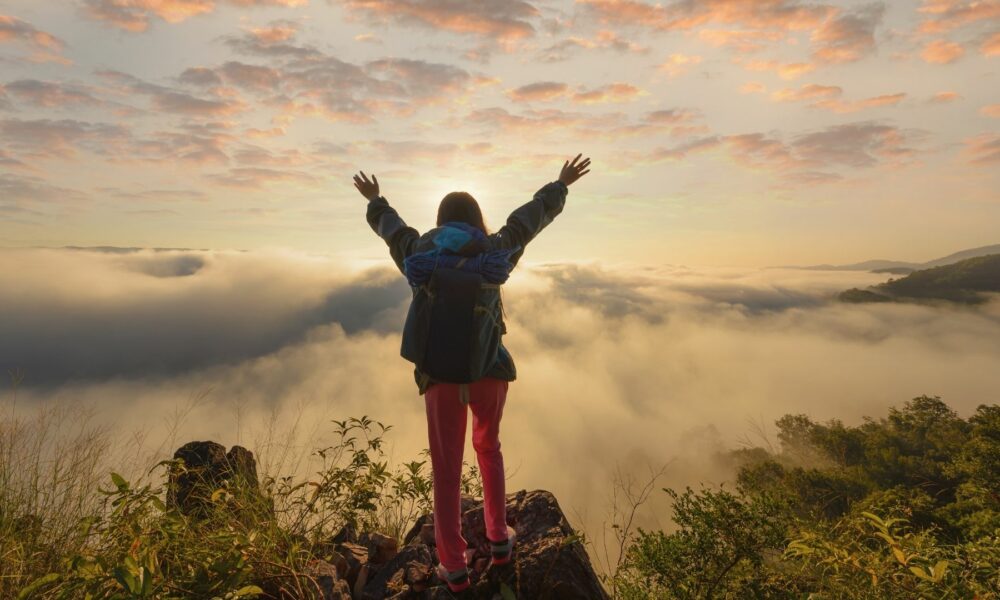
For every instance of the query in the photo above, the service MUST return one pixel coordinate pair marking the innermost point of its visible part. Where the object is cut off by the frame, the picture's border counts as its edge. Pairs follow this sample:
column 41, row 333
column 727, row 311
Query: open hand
column 368, row 189
column 572, row 171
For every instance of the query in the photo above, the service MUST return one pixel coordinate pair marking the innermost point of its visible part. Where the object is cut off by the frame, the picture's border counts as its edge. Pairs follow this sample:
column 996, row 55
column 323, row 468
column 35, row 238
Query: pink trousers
column 446, row 423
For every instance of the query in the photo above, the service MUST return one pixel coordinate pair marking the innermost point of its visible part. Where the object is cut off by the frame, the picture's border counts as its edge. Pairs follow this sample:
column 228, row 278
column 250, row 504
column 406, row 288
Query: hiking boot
column 502, row 551
column 456, row 580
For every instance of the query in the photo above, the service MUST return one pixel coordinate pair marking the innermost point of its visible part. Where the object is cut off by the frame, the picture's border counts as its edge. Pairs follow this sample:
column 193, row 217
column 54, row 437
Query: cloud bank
column 618, row 365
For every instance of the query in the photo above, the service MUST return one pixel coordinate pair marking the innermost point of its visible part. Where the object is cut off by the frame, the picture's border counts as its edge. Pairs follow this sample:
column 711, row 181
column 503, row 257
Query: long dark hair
column 461, row 206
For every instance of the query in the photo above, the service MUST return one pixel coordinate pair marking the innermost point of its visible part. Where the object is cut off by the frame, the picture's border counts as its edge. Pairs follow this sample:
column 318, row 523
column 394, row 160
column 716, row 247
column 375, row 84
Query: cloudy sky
column 722, row 132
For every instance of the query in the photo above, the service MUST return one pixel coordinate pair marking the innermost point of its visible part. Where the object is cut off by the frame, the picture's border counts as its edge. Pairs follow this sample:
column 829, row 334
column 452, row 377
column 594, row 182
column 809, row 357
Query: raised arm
column 386, row 222
column 529, row 219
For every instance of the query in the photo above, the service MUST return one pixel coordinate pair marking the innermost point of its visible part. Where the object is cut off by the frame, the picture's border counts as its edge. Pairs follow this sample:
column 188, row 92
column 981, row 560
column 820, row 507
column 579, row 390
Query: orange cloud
column 755, row 150
column 50, row 94
column 538, row 92
column 678, row 63
column 828, row 98
column 47, row 138
column 838, row 35
column 675, row 122
column 46, row 47
column 944, row 97
column 983, row 149
column 784, row 70
column 806, row 159
column 614, row 92
column 753, row 87
column 135, row 15
column 991, row 47
column 993, row 111
column 807, row 92
column 500, row 20
column 531, row 121
column 172, row 100
column 787, row 15
column 258, row 177
column 945, row 15
column 849, row 36
column 280, row 31
column 942, row 52
column 672, row 116
column 253, row 77
column 740, row 40
column 603, row 39
column 301, row 80
column 839, row 106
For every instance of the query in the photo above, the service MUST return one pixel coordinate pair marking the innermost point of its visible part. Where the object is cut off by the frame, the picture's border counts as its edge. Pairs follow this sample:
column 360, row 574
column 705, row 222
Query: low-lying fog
column 618, row 366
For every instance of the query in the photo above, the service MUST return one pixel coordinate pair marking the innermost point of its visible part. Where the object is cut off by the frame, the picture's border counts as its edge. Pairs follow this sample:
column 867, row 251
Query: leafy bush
column 130, row 544
column 907, row 506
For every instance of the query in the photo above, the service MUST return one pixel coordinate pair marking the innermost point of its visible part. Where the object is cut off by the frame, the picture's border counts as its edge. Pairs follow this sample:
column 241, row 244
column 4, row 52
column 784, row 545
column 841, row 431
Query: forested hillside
column 964, row 281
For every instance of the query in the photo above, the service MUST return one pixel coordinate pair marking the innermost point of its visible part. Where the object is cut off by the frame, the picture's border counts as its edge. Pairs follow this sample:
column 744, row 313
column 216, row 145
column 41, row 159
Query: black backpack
column 454, row 325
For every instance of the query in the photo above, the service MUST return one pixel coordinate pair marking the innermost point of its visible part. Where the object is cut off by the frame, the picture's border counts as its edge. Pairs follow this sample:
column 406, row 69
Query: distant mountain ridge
column 966, row 281
column 897, row 266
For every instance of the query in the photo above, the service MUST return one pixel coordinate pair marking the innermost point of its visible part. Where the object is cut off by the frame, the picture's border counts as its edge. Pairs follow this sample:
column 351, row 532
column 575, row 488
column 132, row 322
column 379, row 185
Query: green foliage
column 130, row 544
column 138, row 548
column 864, row 556
column 907, row 506
column 721, row 544
column 355, row 486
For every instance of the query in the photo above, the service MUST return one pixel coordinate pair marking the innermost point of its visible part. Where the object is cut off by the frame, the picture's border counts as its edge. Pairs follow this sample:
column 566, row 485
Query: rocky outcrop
column 550, row 562
column 207, row 467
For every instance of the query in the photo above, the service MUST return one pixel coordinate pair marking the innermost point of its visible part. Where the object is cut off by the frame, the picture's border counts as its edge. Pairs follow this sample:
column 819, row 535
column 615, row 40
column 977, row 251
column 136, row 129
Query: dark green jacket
column 522, row 226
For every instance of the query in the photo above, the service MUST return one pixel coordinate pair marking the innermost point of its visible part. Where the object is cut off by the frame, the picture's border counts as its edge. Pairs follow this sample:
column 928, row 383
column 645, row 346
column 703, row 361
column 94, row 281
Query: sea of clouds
column 621, row 368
